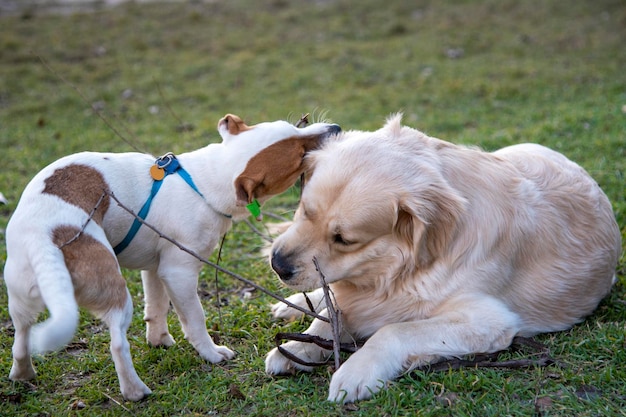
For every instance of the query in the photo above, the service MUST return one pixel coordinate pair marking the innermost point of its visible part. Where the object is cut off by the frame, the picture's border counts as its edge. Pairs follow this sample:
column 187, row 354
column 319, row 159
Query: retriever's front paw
column 312, row 300
column 348, row 388
column 360, row 377
column 277, row 364
column 283, row 311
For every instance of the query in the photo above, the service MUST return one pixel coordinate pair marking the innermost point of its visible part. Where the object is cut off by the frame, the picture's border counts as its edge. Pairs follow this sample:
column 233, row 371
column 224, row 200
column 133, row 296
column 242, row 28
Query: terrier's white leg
column 118, row 321
column 155, row 311
column 22, row 369
column 23, row 310
column 181, row 282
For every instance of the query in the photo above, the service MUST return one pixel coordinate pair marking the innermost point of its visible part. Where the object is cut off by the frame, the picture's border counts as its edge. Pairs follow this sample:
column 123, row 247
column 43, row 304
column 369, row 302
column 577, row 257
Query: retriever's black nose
column 281, row 266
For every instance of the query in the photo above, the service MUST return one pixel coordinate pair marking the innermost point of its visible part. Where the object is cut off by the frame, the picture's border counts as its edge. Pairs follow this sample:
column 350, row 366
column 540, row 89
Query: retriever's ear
column 427, row 221
column 410, row 230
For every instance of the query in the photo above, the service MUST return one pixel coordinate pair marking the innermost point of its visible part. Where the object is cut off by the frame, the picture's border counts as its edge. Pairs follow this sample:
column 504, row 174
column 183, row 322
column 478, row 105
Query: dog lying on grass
column 64, row 235
column 434, row 250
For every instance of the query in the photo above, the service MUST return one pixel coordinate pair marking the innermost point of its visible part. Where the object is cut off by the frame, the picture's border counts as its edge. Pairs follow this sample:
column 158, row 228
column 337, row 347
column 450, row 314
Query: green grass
column 490, row 73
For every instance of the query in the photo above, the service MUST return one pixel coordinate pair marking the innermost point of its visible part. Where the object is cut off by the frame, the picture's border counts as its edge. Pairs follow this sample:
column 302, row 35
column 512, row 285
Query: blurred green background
column 483, row 72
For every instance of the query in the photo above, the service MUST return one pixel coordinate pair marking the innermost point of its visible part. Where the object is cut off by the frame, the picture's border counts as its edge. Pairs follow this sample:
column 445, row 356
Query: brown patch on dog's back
column 98, row 284
column 274, row 169
column 81, row 186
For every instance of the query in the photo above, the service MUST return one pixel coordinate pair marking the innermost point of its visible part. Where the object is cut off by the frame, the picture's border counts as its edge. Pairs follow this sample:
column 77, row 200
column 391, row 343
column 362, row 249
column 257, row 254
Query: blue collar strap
column 163, row 166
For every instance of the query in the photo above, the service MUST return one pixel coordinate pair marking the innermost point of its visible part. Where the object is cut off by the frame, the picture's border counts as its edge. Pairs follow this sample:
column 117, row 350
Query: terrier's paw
column 137, row 392
column 163, row 339
column 217, row 354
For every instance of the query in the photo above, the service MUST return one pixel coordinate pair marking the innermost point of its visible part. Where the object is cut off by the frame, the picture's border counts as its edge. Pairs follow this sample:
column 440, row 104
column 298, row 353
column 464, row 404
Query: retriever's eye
column 338, row 238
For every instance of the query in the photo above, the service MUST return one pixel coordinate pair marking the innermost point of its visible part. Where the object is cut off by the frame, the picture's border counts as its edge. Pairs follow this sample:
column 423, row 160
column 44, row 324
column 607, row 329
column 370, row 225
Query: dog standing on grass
column 434, row 250
column 67, row 240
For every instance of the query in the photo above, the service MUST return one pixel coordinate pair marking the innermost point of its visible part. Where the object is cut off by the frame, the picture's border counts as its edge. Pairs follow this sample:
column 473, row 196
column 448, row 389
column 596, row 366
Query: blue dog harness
column 163, row 166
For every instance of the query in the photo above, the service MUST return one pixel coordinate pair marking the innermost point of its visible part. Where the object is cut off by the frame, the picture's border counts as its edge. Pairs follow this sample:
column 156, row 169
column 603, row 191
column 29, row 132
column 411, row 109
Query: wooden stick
column 262, row 235
column 487, row 361
column 334, row 315
column 82, row 229
column 304, row 120
column 117, row 402
column 319, row 341
column 214, row 265
column 91, row 106
column 483, row 360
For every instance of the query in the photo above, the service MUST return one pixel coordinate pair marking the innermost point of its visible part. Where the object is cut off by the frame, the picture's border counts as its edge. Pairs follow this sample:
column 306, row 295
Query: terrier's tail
column 57, row 291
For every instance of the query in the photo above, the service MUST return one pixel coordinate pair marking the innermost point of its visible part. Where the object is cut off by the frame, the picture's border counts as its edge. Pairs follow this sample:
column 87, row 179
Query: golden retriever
column 434, row 250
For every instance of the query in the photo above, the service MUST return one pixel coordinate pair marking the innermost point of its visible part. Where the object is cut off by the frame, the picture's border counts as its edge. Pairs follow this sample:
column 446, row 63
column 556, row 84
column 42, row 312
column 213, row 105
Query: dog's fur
column 52, row 264
column 434, row 250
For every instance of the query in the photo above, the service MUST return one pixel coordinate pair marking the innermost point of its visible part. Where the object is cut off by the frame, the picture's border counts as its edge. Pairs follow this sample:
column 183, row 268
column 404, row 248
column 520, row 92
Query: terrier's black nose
column 334, row 128
column 281, row 266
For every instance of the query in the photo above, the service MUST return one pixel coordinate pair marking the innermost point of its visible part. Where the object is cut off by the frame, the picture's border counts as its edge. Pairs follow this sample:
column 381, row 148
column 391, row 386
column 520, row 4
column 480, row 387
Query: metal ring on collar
column 165, row 160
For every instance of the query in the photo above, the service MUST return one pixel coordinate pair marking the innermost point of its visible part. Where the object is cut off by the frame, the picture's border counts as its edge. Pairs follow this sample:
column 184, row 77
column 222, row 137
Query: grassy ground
column 491, row 73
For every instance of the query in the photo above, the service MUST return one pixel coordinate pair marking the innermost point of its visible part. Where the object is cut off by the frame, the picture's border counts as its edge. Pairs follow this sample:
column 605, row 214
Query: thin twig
column 296, row 359
column 211, row 264
column 82, row 229
column 263, row 236
column 490, row 360
column 334, row 315
column 217, row 287
column 308, row 301
column 276, row 216
column 317, row 340
column 118, row 403
column 178, row 119
column 304, row 120
column 93, row 109
column 484, row 360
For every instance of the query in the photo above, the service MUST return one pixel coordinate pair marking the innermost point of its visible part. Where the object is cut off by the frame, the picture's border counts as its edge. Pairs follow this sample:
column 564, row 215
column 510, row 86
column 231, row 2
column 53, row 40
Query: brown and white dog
column 60, row 238
column 434, row 250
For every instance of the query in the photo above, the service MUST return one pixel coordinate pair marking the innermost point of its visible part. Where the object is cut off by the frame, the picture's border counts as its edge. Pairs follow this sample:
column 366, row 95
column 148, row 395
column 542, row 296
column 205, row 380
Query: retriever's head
column 375, row 206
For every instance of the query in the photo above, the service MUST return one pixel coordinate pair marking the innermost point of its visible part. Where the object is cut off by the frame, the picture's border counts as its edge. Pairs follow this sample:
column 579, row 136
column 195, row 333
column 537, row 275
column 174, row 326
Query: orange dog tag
column 157, row 173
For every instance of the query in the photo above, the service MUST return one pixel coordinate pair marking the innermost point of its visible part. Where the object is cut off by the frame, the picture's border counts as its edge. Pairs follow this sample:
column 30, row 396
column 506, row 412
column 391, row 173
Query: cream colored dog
column 63, row 238
column 434, row 250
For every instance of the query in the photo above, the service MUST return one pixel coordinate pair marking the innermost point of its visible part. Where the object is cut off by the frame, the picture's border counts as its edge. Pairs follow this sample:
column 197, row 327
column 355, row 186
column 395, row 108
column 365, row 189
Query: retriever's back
column 566, row 262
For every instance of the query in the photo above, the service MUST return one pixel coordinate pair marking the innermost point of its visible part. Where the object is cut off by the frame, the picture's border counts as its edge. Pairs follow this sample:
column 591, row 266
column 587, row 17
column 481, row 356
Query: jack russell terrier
column 66, row 240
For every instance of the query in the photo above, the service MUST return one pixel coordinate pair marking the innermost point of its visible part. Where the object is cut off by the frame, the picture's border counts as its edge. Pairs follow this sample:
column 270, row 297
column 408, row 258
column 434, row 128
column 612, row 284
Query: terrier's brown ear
column 233, row 123
column 274, row 169
column 245, row 188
